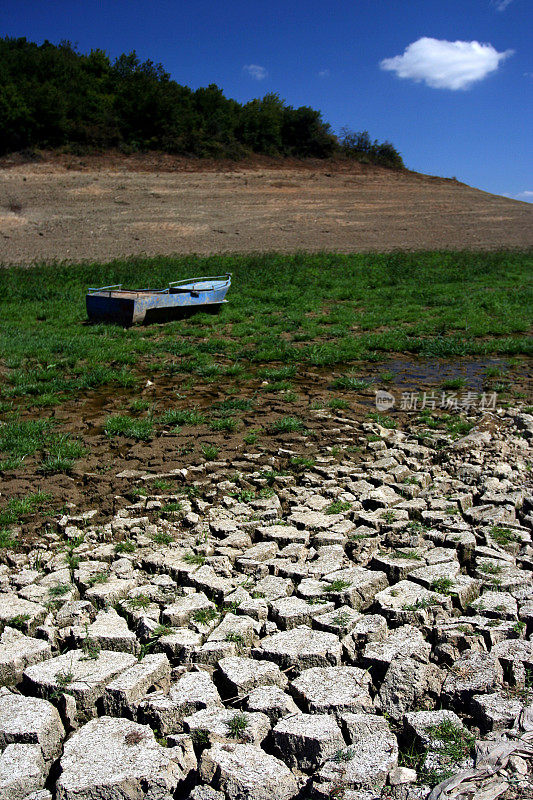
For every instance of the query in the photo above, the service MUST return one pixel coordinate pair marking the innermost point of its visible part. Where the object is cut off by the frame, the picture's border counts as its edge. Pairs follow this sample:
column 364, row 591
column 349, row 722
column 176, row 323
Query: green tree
column 261, row 124
column 15, row 118
column 54, row 96
column 305, row 134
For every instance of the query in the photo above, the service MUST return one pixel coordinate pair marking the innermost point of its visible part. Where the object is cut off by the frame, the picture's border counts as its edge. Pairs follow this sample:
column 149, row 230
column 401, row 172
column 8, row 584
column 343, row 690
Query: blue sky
column 449, row 82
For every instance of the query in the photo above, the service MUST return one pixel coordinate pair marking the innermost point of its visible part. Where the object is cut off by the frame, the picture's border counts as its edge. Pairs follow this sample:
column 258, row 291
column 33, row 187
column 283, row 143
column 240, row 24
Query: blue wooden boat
column 143, row 306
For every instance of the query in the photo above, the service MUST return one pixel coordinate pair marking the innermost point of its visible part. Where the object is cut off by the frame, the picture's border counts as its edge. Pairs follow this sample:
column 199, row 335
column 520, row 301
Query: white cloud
column 527, row 195
column 446, row 65
column 501, row 5
column 324, row 73
column 255, row 71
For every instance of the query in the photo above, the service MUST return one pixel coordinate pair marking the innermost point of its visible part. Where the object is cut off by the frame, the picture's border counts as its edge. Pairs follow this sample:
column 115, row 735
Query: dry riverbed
column 343, row 617
column 246, row 581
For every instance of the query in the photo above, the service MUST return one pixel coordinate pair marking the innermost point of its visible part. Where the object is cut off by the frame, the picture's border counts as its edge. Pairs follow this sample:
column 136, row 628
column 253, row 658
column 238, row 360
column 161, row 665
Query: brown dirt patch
column 94, row 483
column 102, row 207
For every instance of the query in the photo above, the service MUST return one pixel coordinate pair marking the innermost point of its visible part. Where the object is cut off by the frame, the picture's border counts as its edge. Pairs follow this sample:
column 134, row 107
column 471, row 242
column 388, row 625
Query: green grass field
column 319, row 310
column 299, row 333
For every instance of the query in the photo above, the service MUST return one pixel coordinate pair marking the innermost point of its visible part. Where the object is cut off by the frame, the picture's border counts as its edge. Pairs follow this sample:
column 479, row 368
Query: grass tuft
column 176, row 417
column 287, row 425
column 20, row 507
column 210, row 451
column 121, row 425
column 237, row 725
column 7, row 541
column 337, row 507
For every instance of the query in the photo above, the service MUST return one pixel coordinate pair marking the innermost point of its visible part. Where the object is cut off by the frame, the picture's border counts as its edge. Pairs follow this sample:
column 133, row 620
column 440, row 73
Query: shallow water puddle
column 421, row 372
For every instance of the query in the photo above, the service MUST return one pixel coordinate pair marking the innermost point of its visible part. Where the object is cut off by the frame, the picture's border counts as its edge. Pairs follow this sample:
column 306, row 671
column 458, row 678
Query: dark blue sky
column 451, row 106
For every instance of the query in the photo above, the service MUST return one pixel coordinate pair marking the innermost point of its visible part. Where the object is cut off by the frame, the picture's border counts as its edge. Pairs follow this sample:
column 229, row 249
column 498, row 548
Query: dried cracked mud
column 355, row 625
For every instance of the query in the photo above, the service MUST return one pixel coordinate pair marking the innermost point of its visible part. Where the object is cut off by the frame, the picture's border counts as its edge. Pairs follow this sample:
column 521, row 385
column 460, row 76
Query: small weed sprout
column 162, row 537
column 161, row 486
column 210, row 451
column 20, row 507
column 157, row 633
column 302, row 462
column 490, row 569
column 120, row 425
column 7, row 542
column 451, row 745
column 442, row 585
column 229, row 424
column 251, row 437
column 244, row 496
column 420, row 604
column 126, row 546
column 237, row 726
column 408, row 554
column 337, row 403
column 176, row 417
column 383, row 420
column 503, row 536
column 72, row 561
column 341, row 620
column 351, row 382
column 194, row 558
column 200, row 737
column 139, row 491
column 232, row 607
column 59, row 589
column 288, row 425
column 162, row 630
column 337, row 585
column 98, row 577
column 237, row 639
column 337, row 507
column 63, row 678
column 20, row 622
column 344, row 755
column 90, row 646
column 140, row 601
column 139, row 405
column 453, row 383
column 203, row 616
column 450, row 742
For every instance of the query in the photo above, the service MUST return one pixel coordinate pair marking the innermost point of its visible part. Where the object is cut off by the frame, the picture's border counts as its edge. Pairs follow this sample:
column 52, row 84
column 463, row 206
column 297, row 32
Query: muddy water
column 404, row 374
column 431, row 372
column 93, row 482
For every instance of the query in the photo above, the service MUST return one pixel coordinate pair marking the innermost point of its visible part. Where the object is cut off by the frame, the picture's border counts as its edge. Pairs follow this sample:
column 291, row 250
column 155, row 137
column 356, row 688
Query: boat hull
column 146, row 307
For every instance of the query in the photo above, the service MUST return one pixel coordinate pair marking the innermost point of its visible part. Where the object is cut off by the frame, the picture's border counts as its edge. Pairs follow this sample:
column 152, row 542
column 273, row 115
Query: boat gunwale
column 116, row 289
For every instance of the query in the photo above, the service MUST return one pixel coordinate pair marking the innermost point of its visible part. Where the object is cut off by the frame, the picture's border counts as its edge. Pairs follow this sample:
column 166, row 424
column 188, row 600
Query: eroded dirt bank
column 78, row 209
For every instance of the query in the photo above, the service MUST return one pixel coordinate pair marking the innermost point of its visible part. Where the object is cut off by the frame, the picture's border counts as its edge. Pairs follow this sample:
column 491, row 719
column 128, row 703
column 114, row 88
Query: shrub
column 360, row 147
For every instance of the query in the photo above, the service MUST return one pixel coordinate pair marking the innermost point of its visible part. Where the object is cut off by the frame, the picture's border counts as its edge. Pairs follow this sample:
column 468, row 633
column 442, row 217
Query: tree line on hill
column 52, row 96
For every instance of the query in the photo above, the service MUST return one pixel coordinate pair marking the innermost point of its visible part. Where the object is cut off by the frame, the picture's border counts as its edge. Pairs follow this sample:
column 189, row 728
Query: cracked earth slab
column 358, row 629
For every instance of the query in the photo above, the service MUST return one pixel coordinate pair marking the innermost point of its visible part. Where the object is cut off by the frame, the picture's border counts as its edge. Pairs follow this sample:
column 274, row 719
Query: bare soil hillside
column 66, row 207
